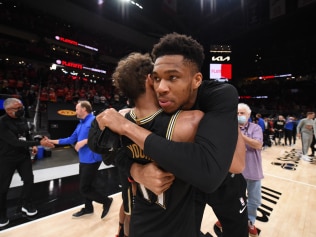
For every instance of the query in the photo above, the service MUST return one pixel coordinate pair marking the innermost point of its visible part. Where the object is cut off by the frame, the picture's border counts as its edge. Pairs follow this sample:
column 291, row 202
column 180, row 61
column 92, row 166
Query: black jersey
column 207, row 159
column 204, row 163
column 279, row 124
column 171, row 213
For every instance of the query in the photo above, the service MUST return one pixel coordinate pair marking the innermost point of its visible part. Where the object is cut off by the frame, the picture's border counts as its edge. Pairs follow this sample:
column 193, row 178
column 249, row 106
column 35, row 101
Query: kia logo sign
column 220, row 59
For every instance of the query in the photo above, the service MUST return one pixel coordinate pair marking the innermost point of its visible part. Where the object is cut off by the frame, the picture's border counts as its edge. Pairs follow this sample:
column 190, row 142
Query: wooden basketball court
column 288, row 207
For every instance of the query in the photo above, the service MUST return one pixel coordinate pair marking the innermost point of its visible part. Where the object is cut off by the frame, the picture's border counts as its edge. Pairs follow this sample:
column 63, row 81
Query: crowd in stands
column 23, row 81
column 33, row 79
column 44, row 26
column 287, row 96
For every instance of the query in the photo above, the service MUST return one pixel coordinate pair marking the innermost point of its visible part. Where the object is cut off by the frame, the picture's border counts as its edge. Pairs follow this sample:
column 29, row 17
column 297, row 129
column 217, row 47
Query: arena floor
column 288, row 207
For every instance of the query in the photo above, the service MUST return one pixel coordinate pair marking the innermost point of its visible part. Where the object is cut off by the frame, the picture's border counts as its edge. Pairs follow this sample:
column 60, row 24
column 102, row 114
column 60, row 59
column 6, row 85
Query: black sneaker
column 106, row 207
column 4, row 221
column 29, row 210
column 82, row 212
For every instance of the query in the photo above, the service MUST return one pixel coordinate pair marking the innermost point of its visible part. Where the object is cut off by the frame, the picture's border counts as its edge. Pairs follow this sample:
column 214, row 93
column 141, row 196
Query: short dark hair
column 178, row 44
column 131, row 72
column 85, row 104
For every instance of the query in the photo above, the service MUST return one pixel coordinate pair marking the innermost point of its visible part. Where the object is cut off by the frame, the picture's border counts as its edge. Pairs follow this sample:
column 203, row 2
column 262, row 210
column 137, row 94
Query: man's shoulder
column 90, row 118
column 254, row 125
column 159, row 122
column 4, row 118
column 213, row 94
column 214, row 83
column 261, row 121
column 210, row 86
column 2, row 121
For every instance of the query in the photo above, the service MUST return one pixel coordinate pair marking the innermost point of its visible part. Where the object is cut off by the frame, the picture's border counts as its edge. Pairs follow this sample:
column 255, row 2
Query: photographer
column 15, row 144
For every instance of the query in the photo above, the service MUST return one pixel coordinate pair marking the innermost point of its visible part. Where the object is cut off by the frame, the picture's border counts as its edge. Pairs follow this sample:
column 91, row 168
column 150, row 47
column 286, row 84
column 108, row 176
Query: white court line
column 46, row 217
column 51, row 173
column 291, row 180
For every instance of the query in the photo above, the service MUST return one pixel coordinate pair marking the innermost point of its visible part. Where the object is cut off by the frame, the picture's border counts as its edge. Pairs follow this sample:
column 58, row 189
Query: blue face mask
column 242, row 119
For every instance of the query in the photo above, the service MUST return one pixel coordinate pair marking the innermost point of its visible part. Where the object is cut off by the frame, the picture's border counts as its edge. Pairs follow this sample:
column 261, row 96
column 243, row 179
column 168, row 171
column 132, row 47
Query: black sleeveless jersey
column 171, row 213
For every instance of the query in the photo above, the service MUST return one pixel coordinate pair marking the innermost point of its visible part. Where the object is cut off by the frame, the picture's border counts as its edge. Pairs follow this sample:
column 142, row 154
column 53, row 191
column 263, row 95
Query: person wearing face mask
column 15, row 145
column 253, row 173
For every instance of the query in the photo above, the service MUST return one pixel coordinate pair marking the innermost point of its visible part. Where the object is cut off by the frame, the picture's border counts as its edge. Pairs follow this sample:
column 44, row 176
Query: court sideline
column 288, row 208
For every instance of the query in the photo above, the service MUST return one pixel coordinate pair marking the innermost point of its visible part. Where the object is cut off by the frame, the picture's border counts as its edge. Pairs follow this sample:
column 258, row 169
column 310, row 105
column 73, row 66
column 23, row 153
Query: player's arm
column 118, row 124
column 100, row 141
column 211, row 154
column 157, row 180
column 151, row 175
column 93, row 137
column 9, row 137
column 209, row 157
column 239, row 159
column 254, row 142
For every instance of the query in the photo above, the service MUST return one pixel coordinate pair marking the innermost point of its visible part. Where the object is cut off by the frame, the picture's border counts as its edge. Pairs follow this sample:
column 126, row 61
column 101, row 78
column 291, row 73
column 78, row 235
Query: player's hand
column 47, row 143
column 152, row 177
column 80, row 144
column 112, row 119
column 34, row 150
column 124, row 111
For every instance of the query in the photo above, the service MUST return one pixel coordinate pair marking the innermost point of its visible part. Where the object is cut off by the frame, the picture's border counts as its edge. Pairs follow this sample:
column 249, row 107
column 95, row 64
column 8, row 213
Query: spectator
column 305, row 133
column 15, row 144
column 89, row 161
column 253, row 173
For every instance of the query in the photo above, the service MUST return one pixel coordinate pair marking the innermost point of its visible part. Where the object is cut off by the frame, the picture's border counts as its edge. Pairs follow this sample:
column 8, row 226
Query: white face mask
column 242, row 119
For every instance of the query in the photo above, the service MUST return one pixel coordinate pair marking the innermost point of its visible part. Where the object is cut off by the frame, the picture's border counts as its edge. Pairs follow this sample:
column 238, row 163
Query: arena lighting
column 220, row 48
column 73, row 42
column 274, row 76
column 267, row 77
column 247, row 97
column 284, row 75
column 78, row 66
column 94, row 70
column 64, row 71
column 53, row 67
column 134, row 3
